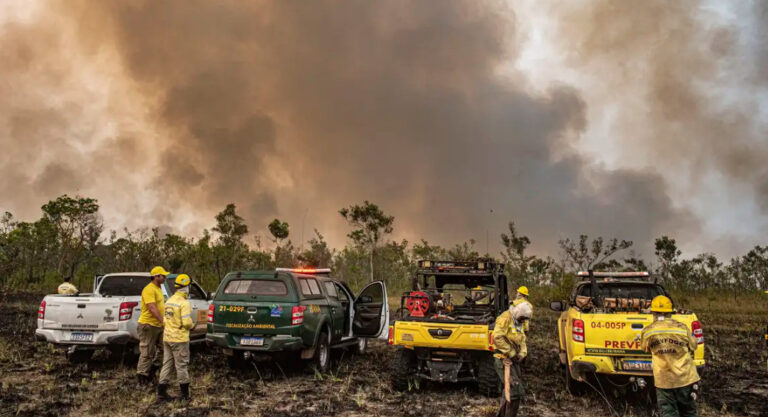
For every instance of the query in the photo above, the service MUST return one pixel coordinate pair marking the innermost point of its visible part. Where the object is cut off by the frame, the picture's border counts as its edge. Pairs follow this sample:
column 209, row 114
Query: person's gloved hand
column 507, row 361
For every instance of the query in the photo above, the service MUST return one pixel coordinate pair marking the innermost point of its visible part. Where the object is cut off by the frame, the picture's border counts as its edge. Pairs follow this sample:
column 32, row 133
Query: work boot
column 162, row 393
column 512, row 408
column 152, row 371
column 184, row 392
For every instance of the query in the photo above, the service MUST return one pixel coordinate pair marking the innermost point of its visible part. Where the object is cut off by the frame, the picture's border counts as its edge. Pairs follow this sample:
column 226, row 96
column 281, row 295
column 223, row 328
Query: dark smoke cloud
column 688, row 84
column 288, row 108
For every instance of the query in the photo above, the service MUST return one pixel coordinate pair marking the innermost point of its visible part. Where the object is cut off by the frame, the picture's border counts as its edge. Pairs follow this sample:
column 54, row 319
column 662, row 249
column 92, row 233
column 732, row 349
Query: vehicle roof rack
column 609, row 276
column 480, row 266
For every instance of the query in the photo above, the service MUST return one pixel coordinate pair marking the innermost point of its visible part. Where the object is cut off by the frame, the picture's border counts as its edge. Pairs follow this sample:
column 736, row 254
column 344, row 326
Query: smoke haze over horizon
column 627, row 120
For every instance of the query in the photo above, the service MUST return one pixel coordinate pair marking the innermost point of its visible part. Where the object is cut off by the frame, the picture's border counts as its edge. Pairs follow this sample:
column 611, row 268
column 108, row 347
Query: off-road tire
column 80, row 356
column 360, row 347
column 321, row 360
column 403, row 370
column 488, row 382
column 237, row 361
column 573, row 386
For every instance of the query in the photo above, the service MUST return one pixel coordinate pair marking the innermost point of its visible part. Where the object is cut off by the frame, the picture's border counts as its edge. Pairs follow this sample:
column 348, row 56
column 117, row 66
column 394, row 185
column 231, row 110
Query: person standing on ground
column 522, row 297
column 67, row 288
column 510, row 347
column 150, row 328
column 671, row 346
column 178, row 323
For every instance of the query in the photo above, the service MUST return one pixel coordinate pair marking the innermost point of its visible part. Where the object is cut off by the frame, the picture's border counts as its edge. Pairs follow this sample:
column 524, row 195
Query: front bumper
column 272, row 343
column 100, row 338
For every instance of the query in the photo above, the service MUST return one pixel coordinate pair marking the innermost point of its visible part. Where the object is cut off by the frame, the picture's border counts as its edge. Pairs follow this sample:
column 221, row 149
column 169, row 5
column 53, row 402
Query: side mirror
column 557, row 306
column 366, row 299
column 211, row 295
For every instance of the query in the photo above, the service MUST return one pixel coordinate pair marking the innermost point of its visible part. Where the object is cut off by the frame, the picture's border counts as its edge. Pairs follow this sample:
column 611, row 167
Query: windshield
column 117, row 285
column 256, row 287
column 618, row 290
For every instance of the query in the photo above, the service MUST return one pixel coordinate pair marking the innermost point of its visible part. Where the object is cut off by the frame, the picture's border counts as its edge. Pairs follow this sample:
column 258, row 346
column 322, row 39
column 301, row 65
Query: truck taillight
column 297, row 315
column 210, row 313
column 41, row 310
column 578, row 330
column 126, row 310
column 490, row 341
column 391, row 338
column 698, row 332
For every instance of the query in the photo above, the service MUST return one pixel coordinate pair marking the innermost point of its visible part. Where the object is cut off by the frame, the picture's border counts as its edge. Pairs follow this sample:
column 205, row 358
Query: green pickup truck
column 292, row 312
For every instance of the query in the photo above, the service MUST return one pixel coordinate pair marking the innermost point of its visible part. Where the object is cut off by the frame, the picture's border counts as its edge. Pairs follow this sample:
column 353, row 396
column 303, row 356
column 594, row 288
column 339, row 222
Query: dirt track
column 38, row 381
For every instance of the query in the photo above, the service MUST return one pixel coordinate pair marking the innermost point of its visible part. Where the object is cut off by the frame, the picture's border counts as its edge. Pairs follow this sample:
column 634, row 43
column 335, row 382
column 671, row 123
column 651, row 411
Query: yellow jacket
column 508, row 337
column 178, row 319
column 67, row 289
column 671, row 346
column 527, row 324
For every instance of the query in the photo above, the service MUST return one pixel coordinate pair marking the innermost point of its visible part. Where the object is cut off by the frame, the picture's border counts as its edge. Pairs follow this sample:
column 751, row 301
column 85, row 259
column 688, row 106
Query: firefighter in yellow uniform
column 150, row 327
column 178, row 323
column 671, row 346
column 510, row 347
column 66, row 287
column 522, row 297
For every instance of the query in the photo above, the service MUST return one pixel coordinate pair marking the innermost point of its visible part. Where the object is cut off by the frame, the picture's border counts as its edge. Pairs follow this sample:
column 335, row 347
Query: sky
column 621, row 119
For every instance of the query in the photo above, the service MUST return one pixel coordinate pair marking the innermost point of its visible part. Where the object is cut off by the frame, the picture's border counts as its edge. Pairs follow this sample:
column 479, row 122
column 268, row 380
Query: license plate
column 637, row 366
column 252, row 341
column 81, row 337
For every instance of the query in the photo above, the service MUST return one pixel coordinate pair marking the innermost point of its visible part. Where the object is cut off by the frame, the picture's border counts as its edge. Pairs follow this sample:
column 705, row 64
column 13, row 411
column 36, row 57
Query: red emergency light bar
column 310, row 271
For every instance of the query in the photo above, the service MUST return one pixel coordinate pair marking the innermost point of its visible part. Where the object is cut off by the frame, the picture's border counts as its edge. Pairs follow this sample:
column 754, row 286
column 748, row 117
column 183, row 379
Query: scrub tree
column 369, row 225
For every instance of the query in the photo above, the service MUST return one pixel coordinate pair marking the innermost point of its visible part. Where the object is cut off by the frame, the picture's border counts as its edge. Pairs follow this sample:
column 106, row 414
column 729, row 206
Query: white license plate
column 637, row 366
column 252, row 341
column 81, row 337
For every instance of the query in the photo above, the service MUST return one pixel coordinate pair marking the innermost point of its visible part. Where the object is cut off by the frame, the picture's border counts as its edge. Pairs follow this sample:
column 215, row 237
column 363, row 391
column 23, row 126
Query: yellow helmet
column 158, row 270
column 480, row 287
column 661, row 304
column 523, row 290
column 182, row 281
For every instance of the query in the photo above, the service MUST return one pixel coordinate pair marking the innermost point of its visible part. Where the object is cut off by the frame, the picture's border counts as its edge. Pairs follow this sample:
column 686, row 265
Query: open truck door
column 372, row 312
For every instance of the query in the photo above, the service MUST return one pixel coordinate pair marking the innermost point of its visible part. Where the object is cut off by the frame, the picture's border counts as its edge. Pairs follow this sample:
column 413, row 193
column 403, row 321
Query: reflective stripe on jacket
column 178, row 319
column 508, row 337
column 67, row 289
column 671, row 346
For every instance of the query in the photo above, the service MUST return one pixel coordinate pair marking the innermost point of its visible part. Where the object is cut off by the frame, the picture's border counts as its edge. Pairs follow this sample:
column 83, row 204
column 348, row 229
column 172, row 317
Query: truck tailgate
column 82, row 313
column 455, row 336
column 620, row 334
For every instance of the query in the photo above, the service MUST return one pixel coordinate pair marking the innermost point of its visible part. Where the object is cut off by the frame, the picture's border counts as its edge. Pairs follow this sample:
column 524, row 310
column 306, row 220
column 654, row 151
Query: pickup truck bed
column 107, row 317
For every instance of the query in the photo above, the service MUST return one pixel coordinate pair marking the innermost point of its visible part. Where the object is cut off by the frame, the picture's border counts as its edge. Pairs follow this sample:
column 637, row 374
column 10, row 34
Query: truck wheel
column 573, row 386
column 322, row 357
column 79, row 356
column 487, row 380
column 237, row 360
column 360, row 346
column 403, row 368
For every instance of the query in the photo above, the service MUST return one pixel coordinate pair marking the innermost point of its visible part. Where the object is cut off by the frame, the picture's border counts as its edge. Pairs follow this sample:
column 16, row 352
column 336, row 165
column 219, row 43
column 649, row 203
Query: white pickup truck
column 107, row 318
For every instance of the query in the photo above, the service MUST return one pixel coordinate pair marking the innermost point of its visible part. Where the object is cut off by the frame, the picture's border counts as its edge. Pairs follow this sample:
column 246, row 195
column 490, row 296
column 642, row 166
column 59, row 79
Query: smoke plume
column 167, row 111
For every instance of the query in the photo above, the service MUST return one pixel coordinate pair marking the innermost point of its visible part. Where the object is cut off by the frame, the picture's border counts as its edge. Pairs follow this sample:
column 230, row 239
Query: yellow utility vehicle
column 600, row 329
column 444, row 333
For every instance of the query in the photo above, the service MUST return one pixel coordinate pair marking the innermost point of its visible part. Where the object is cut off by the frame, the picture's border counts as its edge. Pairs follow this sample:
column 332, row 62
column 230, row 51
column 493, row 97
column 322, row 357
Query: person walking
column 510, row 347
column 671, row 346
column 522, row 297
column 67, row 288
column 150, row 328
column 178, row 323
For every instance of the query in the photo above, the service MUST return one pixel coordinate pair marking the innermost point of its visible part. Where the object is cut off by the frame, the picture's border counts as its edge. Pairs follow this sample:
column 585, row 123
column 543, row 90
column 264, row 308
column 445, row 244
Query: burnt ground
column 37, row 380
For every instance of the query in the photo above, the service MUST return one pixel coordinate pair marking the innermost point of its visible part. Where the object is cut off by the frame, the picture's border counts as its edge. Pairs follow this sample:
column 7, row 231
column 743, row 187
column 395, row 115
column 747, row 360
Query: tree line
column 69, row 241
